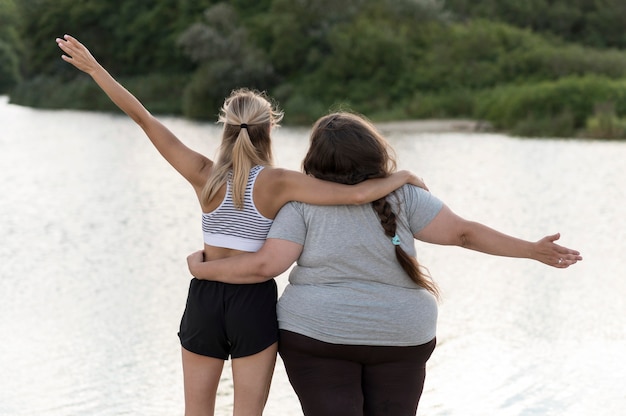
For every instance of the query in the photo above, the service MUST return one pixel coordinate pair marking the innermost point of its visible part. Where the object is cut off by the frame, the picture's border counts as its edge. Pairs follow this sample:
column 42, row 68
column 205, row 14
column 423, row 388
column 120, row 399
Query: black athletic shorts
column 222, row 320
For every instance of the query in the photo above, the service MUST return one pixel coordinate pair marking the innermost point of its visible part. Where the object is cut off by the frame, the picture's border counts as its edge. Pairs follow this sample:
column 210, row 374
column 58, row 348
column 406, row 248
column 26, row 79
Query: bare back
column 266, row 199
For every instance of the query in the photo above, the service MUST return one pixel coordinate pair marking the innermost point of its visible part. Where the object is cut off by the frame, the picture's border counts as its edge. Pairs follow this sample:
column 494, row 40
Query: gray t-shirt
column 347, row 286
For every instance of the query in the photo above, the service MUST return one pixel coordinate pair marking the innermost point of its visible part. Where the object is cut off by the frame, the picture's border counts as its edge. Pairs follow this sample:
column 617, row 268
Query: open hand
column 77, row 54
column 554, row 255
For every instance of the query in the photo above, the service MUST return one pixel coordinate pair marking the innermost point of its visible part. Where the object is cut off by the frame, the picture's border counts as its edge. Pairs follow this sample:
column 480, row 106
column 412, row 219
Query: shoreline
column 434, row 126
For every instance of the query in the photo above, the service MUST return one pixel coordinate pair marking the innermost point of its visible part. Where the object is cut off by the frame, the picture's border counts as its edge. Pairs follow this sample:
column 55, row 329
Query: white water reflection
column 93, row 278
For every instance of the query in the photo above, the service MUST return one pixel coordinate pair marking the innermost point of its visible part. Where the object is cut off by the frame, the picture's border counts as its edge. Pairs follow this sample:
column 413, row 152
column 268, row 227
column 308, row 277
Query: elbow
column 265, row 271
column 463, row 239
column 361, row 198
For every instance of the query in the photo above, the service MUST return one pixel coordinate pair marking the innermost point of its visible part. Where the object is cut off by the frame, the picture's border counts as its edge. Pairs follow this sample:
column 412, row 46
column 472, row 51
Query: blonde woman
column 239, row 196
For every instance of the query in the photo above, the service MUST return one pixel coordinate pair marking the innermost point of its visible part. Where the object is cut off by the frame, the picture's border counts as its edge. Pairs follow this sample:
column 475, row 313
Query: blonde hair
column 248, row 117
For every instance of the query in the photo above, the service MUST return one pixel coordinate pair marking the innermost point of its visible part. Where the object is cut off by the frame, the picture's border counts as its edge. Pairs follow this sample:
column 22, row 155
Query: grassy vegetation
column 389, row 59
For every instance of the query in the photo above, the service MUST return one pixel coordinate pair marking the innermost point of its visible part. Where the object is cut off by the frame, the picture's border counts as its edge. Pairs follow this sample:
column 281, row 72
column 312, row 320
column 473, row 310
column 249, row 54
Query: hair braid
column 410, row 265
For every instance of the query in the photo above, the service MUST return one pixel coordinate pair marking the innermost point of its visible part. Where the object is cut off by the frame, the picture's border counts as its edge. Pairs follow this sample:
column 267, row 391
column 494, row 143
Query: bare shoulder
column 271, row 190
column 273, row 173
column 280, row 177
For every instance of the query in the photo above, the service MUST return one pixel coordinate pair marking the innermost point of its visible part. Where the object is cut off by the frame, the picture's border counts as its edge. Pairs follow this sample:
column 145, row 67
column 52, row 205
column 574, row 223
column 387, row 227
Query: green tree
column 356, row 52
column 226, row 60
column 9, row 46
column 129, row 38
column 9, row 72
column 596, row 23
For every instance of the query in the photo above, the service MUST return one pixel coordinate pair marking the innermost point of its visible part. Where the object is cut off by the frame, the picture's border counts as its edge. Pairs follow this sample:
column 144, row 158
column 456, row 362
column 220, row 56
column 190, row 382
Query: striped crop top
column 240, row 229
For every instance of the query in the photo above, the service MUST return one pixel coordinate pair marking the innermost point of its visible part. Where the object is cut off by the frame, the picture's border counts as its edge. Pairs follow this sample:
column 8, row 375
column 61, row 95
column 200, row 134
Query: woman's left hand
column 552, row 254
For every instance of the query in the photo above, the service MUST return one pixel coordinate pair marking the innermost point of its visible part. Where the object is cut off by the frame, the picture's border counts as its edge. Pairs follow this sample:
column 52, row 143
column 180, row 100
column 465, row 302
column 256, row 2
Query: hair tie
column 395, row 240
column 243, row 126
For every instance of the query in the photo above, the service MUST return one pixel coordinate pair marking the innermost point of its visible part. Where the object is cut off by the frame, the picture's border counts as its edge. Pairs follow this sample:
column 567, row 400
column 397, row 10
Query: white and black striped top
column 240, row 229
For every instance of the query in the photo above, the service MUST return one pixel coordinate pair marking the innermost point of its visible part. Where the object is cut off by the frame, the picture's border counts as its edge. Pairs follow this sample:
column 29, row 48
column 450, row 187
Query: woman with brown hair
column 239, row 195
column 358, row 317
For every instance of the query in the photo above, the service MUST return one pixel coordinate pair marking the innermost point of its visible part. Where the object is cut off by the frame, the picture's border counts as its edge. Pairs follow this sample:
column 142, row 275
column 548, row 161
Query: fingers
column 552, row 238
column 69, row 44
column 566, row 260
column 564, row 263
column 422, row 184
column 65, row 47
column 558, row 256
column 77, row 54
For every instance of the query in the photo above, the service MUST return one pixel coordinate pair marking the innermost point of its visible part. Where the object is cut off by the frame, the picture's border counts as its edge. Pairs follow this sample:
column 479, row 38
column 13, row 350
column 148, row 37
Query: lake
column 96, row 228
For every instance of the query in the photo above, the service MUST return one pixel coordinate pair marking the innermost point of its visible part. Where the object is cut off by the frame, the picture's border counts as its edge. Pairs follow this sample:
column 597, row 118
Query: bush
column 483, row 54
column 226, row 60
column 561, row 125
column 506, row 106
column 301, row 110
column 9, row 73
column 159, row 93
column 449, row 104
column 605, row 124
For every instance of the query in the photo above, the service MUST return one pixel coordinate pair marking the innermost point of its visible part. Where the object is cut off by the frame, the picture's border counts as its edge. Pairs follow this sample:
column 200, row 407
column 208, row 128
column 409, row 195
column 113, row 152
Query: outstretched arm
column 449, row 229
column 192, row 165
column 275, row 257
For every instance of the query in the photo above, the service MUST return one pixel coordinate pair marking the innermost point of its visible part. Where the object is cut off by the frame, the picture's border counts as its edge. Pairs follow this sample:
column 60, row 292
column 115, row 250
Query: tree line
column 537, row 67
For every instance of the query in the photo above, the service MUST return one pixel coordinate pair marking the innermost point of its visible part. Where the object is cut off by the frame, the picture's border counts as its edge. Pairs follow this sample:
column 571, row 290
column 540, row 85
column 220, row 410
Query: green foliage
column 81, row 93
column 522, row 65
column 482, row 54
column 128, row 38
column 8, row 22
column 9, row 73
column 9, row 46
column 605, row 123
column 596, row 23
column 573, row 97
column 451, row 104
column 226, row 59
column 537, row 125
column 361, row 57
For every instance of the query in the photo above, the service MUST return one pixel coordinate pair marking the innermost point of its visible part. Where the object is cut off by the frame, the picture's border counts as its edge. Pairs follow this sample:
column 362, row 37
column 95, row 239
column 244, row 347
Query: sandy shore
column 434, row 125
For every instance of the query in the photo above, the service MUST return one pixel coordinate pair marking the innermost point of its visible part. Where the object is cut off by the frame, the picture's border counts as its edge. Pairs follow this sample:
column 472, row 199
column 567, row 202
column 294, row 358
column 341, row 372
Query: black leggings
column 354, row 380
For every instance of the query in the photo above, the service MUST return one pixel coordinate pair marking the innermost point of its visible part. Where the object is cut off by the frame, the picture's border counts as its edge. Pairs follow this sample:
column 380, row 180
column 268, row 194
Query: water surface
column 96, row 227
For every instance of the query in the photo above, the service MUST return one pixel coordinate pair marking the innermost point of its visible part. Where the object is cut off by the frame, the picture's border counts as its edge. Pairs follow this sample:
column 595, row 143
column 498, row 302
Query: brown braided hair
column 347, row 148
column 416, row 272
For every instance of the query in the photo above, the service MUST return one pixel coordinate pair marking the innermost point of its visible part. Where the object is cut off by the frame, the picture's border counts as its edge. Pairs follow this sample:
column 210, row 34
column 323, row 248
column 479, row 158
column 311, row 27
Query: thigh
column 201, row 376
column 326, row 383
column 393, row 379
column 252, row 376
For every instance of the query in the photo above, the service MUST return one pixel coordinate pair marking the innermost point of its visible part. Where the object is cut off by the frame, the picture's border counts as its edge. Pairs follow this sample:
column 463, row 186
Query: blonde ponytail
column 248, row 117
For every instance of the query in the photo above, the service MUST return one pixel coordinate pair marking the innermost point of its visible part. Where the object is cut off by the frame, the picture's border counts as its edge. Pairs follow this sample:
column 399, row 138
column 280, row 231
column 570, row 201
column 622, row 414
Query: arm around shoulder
column 296, row 186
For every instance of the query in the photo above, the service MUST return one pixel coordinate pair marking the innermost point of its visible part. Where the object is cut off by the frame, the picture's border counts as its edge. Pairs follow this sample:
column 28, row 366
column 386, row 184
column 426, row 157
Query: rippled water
column 93, row 279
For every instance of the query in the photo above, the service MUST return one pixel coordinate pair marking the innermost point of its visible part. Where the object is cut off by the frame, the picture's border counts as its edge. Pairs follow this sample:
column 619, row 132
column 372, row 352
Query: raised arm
column 449, row 229
column 192, row 165
column 275, row 257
